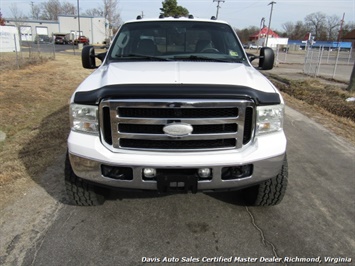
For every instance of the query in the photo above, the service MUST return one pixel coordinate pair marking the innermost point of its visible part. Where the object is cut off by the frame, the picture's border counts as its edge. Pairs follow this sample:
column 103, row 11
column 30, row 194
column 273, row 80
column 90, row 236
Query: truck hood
column 213, row 73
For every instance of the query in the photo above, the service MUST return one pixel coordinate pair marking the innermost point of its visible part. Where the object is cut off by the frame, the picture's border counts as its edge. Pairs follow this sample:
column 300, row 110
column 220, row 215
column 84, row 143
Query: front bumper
column 266, row 154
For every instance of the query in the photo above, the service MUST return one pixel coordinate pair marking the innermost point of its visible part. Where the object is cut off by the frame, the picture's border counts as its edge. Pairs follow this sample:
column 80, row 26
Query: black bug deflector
column 171, row 91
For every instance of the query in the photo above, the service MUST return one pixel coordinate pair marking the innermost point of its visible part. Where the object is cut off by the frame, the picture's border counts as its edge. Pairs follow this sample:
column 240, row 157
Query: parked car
column 42, row 39
column 60, row 40
column 254, row 46
column 82, row 39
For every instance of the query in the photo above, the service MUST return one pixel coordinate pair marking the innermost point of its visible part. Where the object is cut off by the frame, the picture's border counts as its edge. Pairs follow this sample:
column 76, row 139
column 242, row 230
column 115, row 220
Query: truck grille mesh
column 139, row 125
column 177, row 112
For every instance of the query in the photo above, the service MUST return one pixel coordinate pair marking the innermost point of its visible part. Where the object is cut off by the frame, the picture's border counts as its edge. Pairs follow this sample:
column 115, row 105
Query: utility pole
column 78, row 18
column 218, row 7
column 341, row 29
column 262, row 23
column 267, row 34
column 32, row 11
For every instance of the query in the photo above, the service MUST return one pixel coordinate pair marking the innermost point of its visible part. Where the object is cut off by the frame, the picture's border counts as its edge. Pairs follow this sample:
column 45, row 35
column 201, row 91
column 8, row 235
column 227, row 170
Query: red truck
column 82, row 39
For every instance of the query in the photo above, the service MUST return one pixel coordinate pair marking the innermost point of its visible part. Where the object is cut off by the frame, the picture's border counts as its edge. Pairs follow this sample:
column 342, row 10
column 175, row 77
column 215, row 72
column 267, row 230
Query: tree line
column 322, row 26
column 51, row 9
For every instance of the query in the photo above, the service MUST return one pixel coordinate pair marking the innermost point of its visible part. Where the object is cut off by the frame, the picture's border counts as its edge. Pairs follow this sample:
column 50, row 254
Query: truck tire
column 80, row 192
column 270, row 192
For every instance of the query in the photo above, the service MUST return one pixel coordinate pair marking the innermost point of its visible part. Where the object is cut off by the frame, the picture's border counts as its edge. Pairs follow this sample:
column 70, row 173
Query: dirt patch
column 316, row 93
column 28, row 97
column 342, row 127
column 20, row 61
column 322, row 101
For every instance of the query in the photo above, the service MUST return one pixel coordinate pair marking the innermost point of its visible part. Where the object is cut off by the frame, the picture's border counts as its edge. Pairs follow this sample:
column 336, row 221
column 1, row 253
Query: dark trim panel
column 173, row 91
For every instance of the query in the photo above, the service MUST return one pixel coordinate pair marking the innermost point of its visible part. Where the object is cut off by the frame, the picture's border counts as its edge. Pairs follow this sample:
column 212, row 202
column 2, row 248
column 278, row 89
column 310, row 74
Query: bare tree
column 333, row 23
column 17, row 16
column 68, row 9
column 94, row 12
column 35, row 11
column 111, row 13
column 349, row 26
column 15, row 12
column 52, row 8
column 245, row 33
column 295, row 31
column 288, row 27
column 316, row 22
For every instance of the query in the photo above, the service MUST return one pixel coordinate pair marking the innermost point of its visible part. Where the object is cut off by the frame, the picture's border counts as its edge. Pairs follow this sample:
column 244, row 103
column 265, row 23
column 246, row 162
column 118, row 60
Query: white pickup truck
column 176, row 106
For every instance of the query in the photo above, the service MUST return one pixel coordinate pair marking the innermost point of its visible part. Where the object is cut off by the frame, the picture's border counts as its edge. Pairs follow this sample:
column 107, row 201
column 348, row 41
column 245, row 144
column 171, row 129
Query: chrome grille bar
column 222, row 123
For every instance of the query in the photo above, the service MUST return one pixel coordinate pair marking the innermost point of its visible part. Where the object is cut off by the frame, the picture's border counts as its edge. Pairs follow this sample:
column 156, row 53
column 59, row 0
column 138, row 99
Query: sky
column 239, row 13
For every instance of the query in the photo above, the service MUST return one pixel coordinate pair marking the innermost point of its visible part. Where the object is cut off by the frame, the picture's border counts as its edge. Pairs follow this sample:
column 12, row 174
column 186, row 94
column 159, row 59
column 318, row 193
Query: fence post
column 336, row 63
column 17, row 62
column 328, row 55
column 309, row 58
column 53, row 43
column 319, row 61
column 305, row 61
column 277, row 53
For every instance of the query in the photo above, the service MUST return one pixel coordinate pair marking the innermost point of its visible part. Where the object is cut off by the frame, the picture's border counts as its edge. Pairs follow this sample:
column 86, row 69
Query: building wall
column 29, row 28
column 272, row 42
column 91, row 27
column 99, row 28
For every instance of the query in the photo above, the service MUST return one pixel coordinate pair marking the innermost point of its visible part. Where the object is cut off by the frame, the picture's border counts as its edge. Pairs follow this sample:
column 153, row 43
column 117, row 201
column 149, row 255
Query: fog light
column 149, row 172
column 116, row 172
column 204, row 172
column 237, row 172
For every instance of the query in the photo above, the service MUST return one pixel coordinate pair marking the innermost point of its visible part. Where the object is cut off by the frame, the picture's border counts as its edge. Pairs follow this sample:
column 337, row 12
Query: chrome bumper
column 91, row 170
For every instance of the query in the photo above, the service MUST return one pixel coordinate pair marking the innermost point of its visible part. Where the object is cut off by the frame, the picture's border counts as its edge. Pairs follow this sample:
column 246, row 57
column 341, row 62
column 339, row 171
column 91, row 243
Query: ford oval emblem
column 178, row 130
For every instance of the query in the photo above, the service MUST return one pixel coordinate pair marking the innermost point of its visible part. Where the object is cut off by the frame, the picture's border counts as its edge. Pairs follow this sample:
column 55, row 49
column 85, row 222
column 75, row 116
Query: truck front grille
column 139, row 124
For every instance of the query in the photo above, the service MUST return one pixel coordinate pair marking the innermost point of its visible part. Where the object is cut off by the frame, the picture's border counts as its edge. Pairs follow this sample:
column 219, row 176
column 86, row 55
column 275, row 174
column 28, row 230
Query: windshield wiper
column 144, row 57
column 206, row 58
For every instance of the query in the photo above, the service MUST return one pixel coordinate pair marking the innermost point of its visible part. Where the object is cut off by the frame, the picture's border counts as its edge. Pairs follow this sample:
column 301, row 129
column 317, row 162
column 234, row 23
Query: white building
column 9, row 39
column 272, row 42
column 94, row 28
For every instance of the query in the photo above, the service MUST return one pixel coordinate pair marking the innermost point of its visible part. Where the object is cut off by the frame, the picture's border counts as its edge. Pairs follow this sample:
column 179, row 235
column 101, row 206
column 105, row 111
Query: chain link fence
column 318, row 62
column 34, row 52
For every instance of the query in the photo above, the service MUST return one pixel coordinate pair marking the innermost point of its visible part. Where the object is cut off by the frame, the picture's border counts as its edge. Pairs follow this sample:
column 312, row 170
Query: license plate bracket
column 177, row 184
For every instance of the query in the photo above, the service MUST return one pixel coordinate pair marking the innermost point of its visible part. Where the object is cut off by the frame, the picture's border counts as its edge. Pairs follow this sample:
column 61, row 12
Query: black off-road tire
column 270, row 192
column 80, row 192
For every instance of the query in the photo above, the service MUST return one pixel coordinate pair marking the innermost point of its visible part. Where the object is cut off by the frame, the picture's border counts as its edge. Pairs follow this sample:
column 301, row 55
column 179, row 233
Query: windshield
column 176, row 40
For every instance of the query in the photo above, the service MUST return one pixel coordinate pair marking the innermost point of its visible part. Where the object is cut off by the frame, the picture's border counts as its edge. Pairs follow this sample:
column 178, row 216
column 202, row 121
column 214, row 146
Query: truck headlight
column 269, row 118
column 84, row 118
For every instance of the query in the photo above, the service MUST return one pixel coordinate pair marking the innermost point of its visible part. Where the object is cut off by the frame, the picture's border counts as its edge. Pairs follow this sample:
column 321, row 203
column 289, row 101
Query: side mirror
column 88, row 57
column 266, row 58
